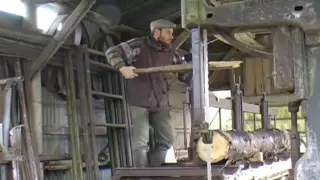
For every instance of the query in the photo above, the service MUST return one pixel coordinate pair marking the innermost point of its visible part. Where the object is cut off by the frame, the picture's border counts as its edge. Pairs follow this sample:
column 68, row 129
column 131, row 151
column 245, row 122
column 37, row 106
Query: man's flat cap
column 161, row 23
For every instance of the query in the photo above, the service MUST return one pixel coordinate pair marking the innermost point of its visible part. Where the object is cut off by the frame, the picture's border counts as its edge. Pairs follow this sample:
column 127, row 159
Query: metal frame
column 199, row 91
column 291, row 47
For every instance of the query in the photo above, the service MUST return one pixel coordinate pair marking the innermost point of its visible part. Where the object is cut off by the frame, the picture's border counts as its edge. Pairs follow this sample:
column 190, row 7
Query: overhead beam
column 74, row 19
column 183, row 36
column 53, row 1
column 228, row 56
column 227, row 104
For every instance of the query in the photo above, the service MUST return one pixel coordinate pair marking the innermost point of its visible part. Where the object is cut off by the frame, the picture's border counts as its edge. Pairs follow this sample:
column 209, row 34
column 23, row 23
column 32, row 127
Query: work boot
column 141, row 157
column 158, row 156
column 141, row 160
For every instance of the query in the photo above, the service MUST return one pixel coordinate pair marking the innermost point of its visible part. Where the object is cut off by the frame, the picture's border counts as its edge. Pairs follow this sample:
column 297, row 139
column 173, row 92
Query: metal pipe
column 254, row 121
column 220, row 119
column 237, row 112
column 295, row 138
column 119, row 118
column 127, row 122
column 185, row 140
column 266, row 124
column 200, row 90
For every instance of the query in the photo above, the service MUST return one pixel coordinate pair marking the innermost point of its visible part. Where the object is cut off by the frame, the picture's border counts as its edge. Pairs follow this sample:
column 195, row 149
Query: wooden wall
column 255, row 75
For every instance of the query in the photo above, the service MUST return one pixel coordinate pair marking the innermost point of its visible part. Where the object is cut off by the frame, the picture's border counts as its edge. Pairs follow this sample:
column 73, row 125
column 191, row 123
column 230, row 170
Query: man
column 147, row 94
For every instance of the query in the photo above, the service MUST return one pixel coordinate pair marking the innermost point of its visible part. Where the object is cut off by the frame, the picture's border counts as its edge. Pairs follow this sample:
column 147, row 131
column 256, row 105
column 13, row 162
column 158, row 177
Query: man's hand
column 127, row 72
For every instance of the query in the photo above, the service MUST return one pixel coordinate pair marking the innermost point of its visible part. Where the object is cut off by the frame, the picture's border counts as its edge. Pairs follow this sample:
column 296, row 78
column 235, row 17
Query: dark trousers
column 162, row 126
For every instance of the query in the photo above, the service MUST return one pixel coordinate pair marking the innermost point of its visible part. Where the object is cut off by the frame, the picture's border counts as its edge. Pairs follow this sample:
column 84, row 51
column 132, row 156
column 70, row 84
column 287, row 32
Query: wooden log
column 217, row 65
column 245, row 146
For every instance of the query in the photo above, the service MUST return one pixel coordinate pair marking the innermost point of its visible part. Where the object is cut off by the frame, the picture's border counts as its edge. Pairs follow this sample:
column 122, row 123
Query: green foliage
column 282, row 121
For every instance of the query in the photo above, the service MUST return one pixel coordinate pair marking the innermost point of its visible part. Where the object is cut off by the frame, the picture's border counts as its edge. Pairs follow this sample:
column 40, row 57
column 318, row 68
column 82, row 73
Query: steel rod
column 111, row 110
column 237, row 110
column 127, row 122
column 107, row 95
column 111, row 141
column 265, row 120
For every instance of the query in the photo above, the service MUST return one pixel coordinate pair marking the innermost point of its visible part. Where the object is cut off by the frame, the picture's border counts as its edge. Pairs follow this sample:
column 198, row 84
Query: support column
column 34, row 94
column 200, row 90
column 237, row 115
column 264, row 109
column 295, row 138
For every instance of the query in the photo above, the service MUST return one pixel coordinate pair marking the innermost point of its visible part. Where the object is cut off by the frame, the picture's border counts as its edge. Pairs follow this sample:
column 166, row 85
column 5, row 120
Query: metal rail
column 269, row 170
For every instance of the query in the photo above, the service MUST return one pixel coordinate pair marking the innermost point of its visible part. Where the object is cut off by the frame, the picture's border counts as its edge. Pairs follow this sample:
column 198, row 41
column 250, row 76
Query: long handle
column 219, row 65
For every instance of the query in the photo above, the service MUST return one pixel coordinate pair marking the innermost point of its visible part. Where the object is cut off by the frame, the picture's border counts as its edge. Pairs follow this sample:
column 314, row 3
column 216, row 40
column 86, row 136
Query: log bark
column 245, row 146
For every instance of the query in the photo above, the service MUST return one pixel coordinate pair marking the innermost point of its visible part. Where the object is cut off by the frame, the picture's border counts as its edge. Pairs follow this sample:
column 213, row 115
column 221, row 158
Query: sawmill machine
column 293, row 30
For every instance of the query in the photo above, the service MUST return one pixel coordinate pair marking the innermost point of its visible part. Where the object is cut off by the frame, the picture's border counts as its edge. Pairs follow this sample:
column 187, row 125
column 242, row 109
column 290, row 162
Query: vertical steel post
column 295, row 138
column 200, row 90
column 307, row 166
column 34, row 92
column 128, row 138
column 266, row 123
column 237, row 112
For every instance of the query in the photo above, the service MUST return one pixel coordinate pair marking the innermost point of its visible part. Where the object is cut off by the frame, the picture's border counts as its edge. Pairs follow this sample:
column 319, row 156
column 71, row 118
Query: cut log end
column 218, row 149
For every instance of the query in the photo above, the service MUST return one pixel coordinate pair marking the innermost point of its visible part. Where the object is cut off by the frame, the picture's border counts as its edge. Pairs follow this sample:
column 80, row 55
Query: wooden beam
column 228, row 56
column 64, row 130
column 183, row 36
column 58, row 40
column 216, row 65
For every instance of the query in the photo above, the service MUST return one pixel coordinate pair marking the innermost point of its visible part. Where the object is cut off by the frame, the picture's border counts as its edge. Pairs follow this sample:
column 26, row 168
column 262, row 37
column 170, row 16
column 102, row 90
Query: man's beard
column 164, row 43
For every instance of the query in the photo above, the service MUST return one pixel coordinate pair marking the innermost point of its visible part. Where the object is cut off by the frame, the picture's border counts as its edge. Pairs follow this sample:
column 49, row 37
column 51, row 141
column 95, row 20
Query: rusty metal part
column 272, row 170
column 228, row 37
column 293, row 108
column 165, row 172
column 59, row 38
column 253, row 13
